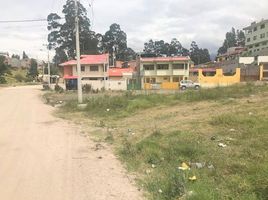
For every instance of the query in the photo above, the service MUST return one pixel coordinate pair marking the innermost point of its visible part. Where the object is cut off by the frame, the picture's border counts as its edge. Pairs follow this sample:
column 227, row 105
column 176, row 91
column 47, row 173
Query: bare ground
column 45, row 158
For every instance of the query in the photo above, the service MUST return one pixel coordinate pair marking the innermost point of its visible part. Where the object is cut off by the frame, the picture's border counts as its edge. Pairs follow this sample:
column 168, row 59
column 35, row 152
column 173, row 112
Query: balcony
column 180, row 72
column 161, row 72
column 149, row 73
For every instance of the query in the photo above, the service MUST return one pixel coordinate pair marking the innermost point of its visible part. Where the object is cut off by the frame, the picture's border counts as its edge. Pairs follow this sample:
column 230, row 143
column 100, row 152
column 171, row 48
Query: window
column 257, row 45
column 90, row 79
column 82, row 68
column 255, row 37
column 262, row 35
column 264, row 43
column 94, row 68
column 262, row 26
column 178, row 66
column 166, row 79
column 177, row 79
column 255, row 29
column 150, row 80
column 149, row 67
column 248, row 40
column 250, row 47
column 163, row 67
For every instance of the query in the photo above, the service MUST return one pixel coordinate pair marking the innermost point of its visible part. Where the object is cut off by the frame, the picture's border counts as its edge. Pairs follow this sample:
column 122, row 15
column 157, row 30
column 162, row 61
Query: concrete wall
column 163, row 86
column 118, row 84
column 263, row 59
column 95, row 84
column 219, row 79
column 246, row 60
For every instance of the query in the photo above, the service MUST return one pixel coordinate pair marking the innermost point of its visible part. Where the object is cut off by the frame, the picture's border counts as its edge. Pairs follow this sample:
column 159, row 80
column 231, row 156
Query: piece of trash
column 193, row 178
column 153, row 166
column 232, row 130
column 250, row 113
column 222, row 145
column 184, row 167
column 129, row 130
column 108, row 110
column 198, row 165
column 213, row 138
column 160, row 191
column 211, row 167
column 133, row 133
column 148, row 171
column 229, row 139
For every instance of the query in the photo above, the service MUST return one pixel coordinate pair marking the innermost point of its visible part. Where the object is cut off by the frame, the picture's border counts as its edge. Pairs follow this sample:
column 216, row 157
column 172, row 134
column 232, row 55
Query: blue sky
column 205, row 22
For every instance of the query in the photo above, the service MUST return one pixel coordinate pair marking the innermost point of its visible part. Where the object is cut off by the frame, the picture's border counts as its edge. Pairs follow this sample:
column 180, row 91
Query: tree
column 4, row 69
column 199, row 55
column 234, row 38
column 241, row 38
column 160, row 48
column 33, row 71
column 149, row 47
column 62, row 35
column 15, row 56
column 24, row 55
column 115, row 40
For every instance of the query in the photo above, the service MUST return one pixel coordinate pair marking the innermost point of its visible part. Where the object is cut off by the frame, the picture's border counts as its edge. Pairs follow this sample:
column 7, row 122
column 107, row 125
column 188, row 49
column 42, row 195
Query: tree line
column 61, row 38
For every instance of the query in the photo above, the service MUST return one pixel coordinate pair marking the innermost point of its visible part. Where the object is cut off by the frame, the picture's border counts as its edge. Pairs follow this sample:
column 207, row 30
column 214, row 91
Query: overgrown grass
column 236, row 172
column 129, row 103
column 240, row 171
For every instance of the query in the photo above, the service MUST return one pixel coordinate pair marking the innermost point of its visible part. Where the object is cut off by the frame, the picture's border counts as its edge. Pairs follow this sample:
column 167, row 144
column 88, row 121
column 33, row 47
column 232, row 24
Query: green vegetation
column 187, row 127
column 240, row 171
column 4, row 70
column 128, row 103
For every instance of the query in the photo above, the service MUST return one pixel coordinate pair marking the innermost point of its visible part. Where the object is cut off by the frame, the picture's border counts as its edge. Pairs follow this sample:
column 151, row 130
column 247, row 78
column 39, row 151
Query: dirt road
column 46, row 158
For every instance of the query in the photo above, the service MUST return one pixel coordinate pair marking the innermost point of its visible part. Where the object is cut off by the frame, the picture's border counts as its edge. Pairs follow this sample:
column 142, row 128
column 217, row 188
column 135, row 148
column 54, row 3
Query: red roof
column 70, row 77
column 165, row 59
column 89, row 60
column 115, row 72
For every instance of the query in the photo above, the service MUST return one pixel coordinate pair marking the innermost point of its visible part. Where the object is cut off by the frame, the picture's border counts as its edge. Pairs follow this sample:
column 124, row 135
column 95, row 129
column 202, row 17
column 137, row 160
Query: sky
column 203, row 21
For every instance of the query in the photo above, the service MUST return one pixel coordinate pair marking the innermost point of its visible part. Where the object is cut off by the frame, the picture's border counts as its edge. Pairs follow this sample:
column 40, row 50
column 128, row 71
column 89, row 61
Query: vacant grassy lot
column 154, row 134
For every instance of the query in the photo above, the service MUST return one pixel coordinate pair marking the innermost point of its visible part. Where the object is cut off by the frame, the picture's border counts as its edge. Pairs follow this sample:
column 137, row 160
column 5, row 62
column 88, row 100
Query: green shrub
column 20, row 78
column 87, row 88
column 59, row 89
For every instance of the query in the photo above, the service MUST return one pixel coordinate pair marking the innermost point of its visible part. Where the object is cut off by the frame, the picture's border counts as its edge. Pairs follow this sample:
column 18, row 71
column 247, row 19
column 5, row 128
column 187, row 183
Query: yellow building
column 219, row 79
column 164, row 72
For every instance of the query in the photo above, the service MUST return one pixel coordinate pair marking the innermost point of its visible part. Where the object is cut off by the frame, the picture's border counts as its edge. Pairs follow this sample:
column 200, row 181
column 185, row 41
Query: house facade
column 257, row 38
column 164, row 72
column 119, row 78
column 94, row 71
column 263, row 63
column 232, row 53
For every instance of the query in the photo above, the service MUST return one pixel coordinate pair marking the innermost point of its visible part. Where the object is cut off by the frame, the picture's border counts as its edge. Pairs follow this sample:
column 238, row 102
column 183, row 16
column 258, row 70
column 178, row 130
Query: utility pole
column 79, row 81
column 48, row 66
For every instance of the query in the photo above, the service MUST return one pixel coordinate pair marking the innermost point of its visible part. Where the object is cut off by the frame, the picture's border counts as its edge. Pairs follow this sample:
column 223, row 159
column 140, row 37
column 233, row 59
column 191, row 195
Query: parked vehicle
column 187, row 84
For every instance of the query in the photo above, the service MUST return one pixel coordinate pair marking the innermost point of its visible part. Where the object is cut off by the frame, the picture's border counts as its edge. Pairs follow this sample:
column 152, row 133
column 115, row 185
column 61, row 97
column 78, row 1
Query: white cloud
column 205, row 22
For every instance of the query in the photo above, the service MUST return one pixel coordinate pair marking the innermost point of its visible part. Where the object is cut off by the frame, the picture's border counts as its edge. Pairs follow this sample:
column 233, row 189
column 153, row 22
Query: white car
column 186, row 84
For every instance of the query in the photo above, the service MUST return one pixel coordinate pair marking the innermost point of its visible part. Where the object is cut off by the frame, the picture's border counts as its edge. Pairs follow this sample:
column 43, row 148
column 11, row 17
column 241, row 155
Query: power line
column 23, row 21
